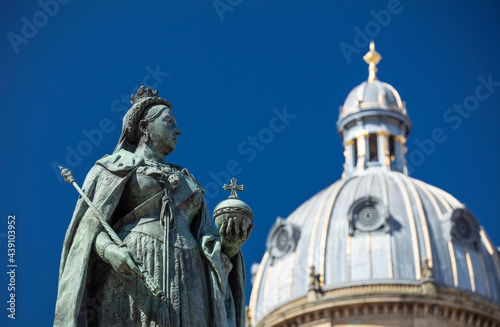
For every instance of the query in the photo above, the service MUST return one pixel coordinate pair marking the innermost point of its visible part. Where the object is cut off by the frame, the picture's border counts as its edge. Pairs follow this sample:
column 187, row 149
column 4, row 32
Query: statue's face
column 163, row 132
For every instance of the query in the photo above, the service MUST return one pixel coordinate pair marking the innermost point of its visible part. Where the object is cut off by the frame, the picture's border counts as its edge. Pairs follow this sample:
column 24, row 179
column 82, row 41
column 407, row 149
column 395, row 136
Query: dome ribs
column 411, row 224
column 325, row 229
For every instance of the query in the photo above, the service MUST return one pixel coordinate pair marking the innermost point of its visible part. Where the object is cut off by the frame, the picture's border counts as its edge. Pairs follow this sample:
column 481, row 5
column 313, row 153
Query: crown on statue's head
column 143, row 93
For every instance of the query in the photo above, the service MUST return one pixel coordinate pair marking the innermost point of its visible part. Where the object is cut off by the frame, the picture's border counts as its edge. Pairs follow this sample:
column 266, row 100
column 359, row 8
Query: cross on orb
column 233, row 188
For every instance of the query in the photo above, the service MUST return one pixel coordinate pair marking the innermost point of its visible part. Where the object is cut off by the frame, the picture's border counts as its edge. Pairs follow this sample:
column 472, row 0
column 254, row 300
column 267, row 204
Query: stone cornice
column 401, row 300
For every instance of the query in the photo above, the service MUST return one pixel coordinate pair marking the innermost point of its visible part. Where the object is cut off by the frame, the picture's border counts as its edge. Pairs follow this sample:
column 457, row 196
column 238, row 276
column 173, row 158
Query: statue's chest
column 148, row 182
column 143, row 199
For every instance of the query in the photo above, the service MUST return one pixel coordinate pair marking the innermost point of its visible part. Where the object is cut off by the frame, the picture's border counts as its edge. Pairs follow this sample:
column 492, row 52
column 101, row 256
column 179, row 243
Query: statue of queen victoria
column 166, row 265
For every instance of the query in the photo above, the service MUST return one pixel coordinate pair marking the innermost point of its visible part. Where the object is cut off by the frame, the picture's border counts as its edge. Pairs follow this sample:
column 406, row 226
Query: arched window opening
column 392, row 154
column 372, row 144
column 355, row 159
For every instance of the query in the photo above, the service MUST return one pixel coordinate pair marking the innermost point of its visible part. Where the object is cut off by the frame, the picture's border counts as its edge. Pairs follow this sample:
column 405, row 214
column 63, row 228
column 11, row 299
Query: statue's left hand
column 234, row 232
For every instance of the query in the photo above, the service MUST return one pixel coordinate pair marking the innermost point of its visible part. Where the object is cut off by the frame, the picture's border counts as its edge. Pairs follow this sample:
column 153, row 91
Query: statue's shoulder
column 188, row 175
column 120, row 162
column 177, row 167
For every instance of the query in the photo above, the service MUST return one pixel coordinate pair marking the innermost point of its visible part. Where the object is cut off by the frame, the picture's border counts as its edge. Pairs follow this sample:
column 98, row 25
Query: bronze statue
column 115, row 270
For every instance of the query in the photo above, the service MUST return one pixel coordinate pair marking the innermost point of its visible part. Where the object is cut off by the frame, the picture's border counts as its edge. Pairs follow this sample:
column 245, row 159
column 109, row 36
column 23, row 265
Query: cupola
column 373, row 124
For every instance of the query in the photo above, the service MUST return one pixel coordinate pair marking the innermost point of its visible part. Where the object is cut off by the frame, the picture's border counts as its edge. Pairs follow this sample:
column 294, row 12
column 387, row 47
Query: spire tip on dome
column 372, row 58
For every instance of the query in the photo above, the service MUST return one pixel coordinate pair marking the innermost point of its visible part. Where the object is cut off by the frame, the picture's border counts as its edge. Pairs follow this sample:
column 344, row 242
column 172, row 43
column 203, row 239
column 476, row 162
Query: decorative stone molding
column 397, row 304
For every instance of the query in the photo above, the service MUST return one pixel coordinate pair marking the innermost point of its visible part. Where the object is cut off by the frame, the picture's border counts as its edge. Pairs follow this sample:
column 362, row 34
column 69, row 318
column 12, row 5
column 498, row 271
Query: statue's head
column 150, row 120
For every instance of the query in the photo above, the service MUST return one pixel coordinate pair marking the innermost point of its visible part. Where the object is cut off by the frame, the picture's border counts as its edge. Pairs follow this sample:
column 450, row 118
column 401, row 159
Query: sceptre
column 148, row 280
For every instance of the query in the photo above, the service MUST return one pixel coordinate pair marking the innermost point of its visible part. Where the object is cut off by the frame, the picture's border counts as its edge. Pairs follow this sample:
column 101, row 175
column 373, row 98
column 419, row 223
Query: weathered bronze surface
column 164, row 230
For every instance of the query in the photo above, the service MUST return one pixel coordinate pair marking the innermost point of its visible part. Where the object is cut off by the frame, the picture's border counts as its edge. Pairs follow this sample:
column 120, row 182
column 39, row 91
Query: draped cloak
column 76, row 303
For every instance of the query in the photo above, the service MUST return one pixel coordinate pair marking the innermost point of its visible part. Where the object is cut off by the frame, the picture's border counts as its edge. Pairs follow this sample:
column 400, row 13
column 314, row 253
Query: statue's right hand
column 123, row 261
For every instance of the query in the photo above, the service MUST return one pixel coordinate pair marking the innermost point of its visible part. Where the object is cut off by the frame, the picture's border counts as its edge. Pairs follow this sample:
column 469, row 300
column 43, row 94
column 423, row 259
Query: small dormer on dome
column 373, row 124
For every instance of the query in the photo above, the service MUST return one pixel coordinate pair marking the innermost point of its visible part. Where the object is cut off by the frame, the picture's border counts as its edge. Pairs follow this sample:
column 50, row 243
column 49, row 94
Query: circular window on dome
column 282, row 238
column 367, row 214
column 464, row 226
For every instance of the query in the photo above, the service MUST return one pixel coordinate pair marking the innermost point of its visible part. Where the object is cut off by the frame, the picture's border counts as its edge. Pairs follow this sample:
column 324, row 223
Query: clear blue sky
column 64, row 75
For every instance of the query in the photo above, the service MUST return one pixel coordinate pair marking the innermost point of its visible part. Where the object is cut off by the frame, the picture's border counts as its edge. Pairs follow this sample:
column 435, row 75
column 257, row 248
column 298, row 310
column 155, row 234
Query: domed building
column 377, row 247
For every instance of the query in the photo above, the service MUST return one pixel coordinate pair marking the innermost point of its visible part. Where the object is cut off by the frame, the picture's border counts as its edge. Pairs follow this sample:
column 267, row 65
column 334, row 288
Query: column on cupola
column 399, row 153
column 363, row 150
column 349, row 157
column 383, row 148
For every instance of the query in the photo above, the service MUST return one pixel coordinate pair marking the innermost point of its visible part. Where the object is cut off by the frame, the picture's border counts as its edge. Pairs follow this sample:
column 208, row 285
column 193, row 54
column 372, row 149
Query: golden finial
column 372, row 58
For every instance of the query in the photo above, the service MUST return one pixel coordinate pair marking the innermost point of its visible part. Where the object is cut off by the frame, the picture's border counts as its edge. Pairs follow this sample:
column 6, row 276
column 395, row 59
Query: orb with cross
column 233, row 207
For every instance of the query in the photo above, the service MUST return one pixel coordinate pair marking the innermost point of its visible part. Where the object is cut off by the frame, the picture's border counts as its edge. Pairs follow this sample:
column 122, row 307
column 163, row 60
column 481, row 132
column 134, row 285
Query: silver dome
column 370, row 95
column 381, row 227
